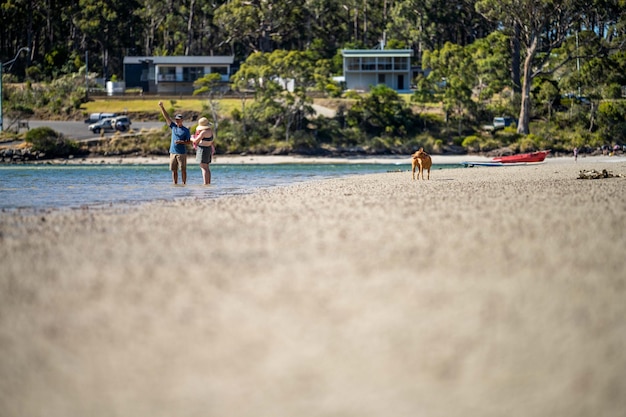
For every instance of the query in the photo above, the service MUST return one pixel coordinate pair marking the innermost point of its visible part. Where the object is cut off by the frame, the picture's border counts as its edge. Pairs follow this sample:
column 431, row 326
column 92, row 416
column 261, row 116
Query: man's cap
column 179, row 117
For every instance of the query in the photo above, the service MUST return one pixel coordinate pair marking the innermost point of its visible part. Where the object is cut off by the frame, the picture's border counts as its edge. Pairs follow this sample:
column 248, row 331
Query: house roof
column 180, row 60
column 376, row 53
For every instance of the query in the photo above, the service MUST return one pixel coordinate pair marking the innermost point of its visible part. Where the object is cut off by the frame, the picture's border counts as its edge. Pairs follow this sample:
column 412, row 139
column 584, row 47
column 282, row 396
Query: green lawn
column 149, row 104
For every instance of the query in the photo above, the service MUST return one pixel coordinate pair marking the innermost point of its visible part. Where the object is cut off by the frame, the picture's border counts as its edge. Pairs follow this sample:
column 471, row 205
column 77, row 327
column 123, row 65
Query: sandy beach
column 487, row 291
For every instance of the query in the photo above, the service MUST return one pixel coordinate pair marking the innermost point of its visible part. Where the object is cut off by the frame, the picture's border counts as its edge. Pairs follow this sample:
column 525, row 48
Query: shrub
column 333, row 90
column 471, row 143
column 612, row 91
column 351, row 94
column 530, row 143
column 51, row 143
column 611, row 121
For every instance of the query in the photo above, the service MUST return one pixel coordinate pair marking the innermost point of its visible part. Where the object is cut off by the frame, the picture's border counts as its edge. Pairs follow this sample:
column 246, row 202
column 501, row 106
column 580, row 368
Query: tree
column 107, row 24
column 543, row 25
column 381, row 112
column 453, row 74
column 548, row 94
column 279, row 81
column 429, row 24
column 492, row 58
column 261, row 25
column 212, row 86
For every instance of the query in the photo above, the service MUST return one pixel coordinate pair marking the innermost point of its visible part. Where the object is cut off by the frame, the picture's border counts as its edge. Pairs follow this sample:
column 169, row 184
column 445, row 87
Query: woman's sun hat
column 203, row 124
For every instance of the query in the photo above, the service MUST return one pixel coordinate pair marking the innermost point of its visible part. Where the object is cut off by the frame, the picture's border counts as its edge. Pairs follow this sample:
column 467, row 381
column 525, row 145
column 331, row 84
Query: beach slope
column 482, row 292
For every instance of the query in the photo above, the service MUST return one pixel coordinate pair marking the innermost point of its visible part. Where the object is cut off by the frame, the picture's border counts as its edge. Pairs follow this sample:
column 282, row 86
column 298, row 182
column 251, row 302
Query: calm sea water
column 76, row 186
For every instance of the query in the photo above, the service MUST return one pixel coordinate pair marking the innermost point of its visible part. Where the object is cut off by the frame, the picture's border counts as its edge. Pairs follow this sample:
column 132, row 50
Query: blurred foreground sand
column 482, row 292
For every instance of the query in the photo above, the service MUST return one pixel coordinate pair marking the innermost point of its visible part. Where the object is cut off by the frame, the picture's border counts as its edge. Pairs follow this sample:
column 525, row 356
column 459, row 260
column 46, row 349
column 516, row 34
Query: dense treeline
column 560, row 64
column 60, row 33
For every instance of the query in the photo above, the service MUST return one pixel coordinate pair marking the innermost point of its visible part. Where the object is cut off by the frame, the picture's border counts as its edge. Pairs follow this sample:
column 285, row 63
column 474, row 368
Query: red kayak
column 523, row 157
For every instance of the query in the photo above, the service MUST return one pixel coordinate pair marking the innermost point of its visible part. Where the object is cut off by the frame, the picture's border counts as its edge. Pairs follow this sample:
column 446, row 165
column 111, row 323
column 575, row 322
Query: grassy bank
column 149, row 105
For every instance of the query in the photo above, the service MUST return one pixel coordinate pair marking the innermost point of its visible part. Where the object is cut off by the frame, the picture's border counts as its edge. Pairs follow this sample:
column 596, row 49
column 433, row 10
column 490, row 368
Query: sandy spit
column 482, row 292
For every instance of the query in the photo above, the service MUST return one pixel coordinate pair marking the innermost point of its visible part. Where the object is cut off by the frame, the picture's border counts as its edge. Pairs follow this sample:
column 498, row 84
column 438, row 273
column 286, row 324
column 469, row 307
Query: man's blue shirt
column 179, row 133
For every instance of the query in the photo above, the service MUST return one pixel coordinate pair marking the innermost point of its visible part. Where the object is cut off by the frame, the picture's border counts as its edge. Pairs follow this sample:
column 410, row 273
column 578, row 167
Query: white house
column 173, row 74
column 364, row 68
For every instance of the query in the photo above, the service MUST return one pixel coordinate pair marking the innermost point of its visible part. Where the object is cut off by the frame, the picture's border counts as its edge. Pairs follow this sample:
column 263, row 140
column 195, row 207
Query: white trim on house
column 181, row 60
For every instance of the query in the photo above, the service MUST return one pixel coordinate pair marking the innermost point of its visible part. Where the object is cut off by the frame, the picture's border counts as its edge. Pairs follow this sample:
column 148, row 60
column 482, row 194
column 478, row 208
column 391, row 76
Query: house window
column 167, row 73
column 401, row 64
column 369, row 64
column 191, row 74
column 354, row 64
column 385, row 64
column 219, row 70
column 381, row 78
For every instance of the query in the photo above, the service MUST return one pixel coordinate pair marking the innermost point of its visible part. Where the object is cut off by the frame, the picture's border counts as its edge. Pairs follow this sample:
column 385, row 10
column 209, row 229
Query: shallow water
column 75, row 186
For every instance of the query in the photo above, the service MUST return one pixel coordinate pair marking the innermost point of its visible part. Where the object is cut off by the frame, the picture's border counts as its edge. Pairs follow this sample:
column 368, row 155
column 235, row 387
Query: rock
column 594, row 175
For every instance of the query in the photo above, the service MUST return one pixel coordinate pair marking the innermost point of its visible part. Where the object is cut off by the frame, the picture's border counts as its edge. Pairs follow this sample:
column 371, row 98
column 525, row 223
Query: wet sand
column 482, row 292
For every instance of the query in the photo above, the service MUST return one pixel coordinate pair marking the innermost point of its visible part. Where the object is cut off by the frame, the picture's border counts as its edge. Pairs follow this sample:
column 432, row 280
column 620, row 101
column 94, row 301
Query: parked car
column 499, row 123
column 119, row 123
column 502, row 122
column 96, row 117
column 122, row 123
column 102, row 125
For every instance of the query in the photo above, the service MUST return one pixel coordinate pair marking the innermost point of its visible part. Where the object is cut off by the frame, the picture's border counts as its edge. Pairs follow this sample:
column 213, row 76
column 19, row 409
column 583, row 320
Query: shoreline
column 296, row 159
column 481, row 292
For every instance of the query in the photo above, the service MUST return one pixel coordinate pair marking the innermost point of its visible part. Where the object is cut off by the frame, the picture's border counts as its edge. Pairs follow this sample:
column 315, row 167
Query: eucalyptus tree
column 212, row 87
column 366, row 19
column 108, row 24
column 548, row 94
column 541, row 26
column 453, row 75
column 279, row 80
column 44, row 27
column 295, row 70
column 492, row 57
column 326, row 28
column 152, row 13
column 429, row 24
column 261, row 25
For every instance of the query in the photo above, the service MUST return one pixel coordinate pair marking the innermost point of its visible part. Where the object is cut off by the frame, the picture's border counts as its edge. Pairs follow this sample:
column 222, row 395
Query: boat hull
column 523, row 157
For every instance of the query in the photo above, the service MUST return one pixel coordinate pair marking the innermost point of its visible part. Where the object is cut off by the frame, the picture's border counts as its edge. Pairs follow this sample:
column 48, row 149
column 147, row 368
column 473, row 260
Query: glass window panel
column 369, row 64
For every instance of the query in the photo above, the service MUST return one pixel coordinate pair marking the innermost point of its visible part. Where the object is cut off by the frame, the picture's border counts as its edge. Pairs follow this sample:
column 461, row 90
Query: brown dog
column 422, row 160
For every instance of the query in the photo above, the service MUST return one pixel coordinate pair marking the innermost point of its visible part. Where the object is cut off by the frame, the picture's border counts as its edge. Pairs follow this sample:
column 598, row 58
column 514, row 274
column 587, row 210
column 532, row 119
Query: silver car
column 122, row 123
column 110, row 124
column 103, row 125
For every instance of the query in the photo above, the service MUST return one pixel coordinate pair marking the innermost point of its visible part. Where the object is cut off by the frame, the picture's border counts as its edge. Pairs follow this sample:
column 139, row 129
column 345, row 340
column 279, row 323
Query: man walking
column 178, row 149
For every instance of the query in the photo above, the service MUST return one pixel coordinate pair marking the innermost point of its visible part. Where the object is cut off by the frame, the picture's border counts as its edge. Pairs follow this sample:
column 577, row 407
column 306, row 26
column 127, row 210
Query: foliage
column 146, row 144
column 548, row 94
column 49, row 142
column 612, row 121
column 382, row 112
column 213, row 88
column 492, row 58
column 531, row 143
column 612, row 91
column 541, row 28
column 564, row 57
column 453, row 75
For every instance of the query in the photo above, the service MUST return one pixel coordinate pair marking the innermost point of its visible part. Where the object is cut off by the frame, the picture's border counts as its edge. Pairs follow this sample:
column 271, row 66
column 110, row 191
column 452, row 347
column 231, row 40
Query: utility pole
column 1, row 120
column 578, row 64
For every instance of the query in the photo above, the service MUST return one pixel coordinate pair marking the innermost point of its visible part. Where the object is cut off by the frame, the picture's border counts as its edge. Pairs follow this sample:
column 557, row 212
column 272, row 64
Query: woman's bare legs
column 206, row 173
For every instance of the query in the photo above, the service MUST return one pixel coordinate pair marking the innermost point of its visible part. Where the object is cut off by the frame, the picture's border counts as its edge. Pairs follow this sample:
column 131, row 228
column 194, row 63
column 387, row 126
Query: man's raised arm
column 164, row 113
